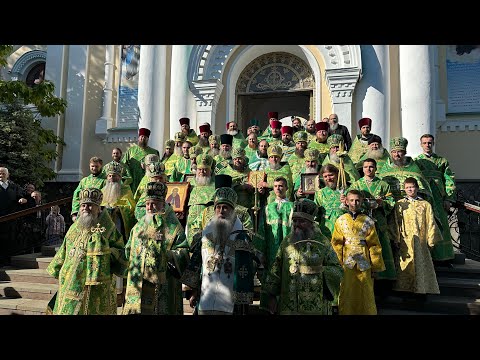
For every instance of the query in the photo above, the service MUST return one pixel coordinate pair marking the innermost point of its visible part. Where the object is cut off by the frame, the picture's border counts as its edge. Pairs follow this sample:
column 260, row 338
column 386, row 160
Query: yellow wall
column 325, row 96
column 395, row 107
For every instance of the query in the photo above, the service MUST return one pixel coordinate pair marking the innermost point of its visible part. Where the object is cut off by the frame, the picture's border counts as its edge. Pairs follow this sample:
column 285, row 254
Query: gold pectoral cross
column 98, row 229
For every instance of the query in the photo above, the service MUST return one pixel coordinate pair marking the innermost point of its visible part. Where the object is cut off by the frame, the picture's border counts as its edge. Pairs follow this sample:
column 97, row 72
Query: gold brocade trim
column 105, row 252
column 314, row 269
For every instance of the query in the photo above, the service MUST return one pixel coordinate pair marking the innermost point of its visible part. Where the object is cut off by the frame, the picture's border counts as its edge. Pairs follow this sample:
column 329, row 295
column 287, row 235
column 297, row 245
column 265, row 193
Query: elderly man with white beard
column 333, row 157
column 200, row 195
column 157, row 252
column 375, row 151
column 119, row 203
column 118, row 200
column 211, row 273
column 305, row 276
column 214, row 143
column 336, row 128
column 238, row 138
column 91, row 252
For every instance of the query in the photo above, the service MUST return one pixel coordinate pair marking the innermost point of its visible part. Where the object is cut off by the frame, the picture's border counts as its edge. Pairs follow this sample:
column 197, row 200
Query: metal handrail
column 33, row 210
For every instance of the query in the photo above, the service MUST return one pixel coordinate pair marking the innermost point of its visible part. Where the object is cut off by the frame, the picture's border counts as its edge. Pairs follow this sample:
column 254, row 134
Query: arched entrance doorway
column 277, row 81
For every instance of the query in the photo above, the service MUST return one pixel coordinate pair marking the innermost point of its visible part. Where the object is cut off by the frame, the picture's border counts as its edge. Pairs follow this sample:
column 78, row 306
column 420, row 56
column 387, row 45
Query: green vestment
column 84, row 265
column 306, row 275
column 133, row 159
column 329, row 202
column 152, row 288
column 379, row 188
column 90, row 181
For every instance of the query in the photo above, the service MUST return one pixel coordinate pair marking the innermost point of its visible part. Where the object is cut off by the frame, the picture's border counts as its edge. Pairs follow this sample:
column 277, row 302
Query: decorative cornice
column 459, row 125
column 342, row 83
column 207, row 93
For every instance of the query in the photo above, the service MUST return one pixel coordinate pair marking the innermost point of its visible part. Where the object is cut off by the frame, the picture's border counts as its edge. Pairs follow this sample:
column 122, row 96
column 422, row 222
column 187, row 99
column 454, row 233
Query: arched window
column 36, row 75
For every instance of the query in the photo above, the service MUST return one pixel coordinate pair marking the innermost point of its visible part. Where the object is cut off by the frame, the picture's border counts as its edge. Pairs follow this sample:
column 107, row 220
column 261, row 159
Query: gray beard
column 334, row 127
column 334, row 158
column 232, row 132
column 300, row 153
column 311, row 170
column 375, row 154
column 402, row 162
column 226, row 154
column 214, row 152
column 111, row 192
column 86, row 221
column 299, row 234
column 223, row 227
column 275, row 166
column 178, row 151
column 148, row 217
column 202, row 142
column 332, row 186
column 202, row 180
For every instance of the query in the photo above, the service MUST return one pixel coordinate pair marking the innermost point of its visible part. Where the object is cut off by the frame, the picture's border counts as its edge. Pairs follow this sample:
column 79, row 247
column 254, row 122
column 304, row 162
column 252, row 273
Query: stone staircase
column 25, row 286
column 459, row 293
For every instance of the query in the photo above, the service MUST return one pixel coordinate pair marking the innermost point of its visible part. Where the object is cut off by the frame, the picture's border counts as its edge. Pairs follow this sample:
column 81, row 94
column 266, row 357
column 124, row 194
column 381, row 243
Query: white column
column 56, row 71
column 179, row 91
column 151, row 92
column 416, row 94
column 207, row 95
column 75, row 114
column 106, row 121
column 373, row 89
column 342, row 84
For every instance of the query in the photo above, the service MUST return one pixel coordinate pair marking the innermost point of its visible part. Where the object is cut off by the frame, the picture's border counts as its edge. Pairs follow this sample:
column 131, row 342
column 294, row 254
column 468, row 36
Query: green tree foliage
column 26, row 148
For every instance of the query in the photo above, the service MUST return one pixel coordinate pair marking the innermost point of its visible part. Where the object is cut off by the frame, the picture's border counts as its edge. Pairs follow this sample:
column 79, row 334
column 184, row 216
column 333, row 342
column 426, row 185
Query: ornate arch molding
column 27, row 61
column 276, row 71
column 343, row 69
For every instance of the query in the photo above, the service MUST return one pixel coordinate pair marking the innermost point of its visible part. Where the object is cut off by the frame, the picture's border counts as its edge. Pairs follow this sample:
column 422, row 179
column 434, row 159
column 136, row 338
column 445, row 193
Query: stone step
column 404, row 312
column 12, row 289
column 459, row 257
column 22, row 306
column 38, row 276
column 469, row 270
column 451, row 305
column 50, row 250
column 31, row 261
column 459, row 287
